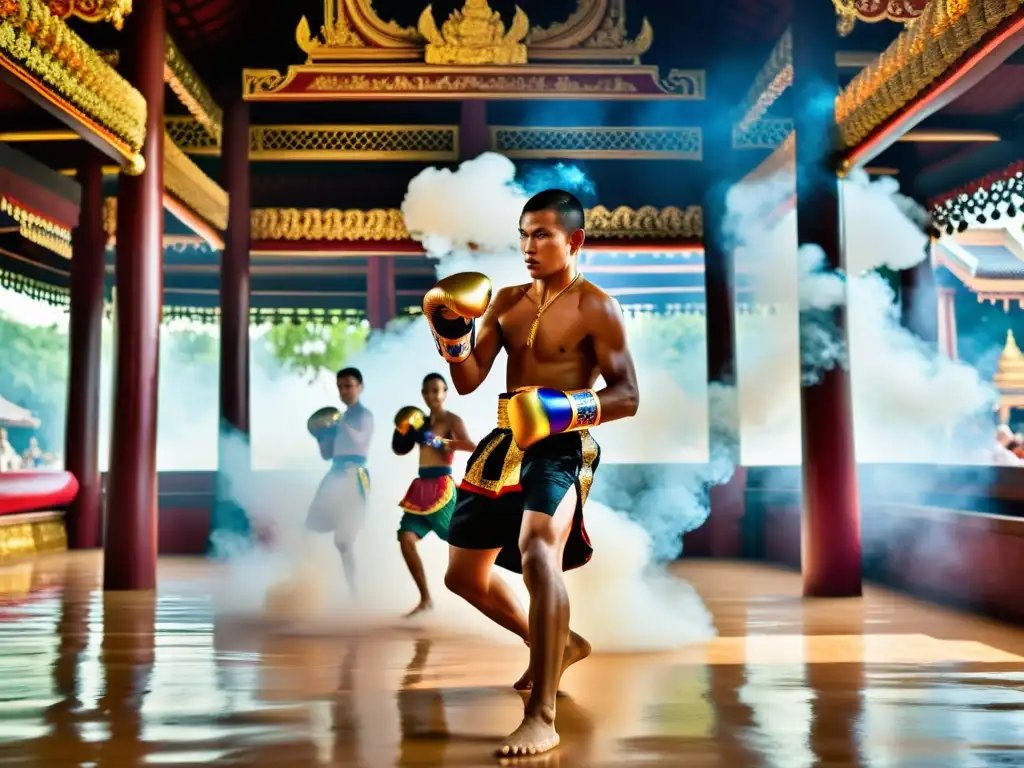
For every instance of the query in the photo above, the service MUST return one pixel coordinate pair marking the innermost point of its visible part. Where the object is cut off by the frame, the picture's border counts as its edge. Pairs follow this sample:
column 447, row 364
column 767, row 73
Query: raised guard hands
column 452, row 307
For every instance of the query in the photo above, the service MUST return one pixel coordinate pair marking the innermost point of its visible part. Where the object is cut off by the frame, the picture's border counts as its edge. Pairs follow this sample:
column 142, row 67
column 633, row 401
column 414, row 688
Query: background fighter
column 339, row 505
column 430, row 500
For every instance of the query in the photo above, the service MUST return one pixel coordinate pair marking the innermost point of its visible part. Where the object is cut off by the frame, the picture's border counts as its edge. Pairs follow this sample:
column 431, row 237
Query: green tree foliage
column 34, row 375
column 309, row 349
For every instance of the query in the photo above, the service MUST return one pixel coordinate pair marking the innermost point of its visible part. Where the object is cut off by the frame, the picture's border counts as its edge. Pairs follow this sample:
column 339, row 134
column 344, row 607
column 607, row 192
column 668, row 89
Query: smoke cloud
column 908, row 400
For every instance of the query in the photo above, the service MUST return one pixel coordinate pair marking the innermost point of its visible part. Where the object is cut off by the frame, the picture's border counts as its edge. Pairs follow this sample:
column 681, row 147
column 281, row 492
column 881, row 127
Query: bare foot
column 535, row 735
column 423, row 607
column 576, row 649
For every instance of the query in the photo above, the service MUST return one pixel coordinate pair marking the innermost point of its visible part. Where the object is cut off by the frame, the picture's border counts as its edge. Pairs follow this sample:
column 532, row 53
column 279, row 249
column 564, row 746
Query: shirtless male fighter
column 520, row 504
column 344, row 439
column 430, row 500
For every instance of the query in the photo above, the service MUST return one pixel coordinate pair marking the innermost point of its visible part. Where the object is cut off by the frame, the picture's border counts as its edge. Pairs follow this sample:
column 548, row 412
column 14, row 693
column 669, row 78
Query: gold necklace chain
column 540, row 310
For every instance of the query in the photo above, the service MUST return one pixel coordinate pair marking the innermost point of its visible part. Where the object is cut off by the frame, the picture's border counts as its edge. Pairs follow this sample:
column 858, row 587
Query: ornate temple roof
column 989, row 262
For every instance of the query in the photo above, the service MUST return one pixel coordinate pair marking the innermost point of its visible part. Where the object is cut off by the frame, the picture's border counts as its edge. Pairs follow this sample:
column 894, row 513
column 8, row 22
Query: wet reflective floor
column 131, row 680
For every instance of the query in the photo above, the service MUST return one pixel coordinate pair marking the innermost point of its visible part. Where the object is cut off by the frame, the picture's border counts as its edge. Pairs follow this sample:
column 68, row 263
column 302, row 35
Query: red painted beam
column 994, row 50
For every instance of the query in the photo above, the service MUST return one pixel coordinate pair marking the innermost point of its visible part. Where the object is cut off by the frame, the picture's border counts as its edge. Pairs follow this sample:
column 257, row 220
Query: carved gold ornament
column 352, row 31
column 113, row 11
column 475, row 35
column 387, row 224
column 191, row 91
column 645, row 222
column 55, row 62
column 330, row 225
column 38, row 229
column 921, row 54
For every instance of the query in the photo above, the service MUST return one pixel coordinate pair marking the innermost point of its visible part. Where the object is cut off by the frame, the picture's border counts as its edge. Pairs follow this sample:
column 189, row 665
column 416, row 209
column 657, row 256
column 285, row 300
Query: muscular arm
column 620, row 398
column 470, row 373
column 460, row 440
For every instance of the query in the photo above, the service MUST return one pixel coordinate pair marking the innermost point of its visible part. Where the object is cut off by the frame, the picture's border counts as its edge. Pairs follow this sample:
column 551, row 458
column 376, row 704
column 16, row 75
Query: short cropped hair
column 354, row 373
column 432, row 377
column 565, row 204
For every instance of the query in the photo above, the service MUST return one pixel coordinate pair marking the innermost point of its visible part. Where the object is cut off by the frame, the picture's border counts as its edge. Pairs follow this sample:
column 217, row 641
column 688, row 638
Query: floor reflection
column 94, row 679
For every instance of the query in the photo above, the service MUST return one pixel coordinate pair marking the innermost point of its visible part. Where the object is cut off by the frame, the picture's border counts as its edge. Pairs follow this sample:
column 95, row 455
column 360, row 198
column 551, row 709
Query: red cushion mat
column 28, row 491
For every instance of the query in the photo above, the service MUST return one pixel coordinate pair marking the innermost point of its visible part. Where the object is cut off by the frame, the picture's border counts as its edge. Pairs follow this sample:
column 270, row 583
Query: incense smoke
column 907, row 398
column 466, row 219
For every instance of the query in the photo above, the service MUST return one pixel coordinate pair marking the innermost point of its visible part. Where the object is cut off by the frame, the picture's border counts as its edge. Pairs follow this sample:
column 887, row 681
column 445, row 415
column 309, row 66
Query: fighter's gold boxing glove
column 323, row 422
column 538, row 412
column 451, row 308
column 409, row 422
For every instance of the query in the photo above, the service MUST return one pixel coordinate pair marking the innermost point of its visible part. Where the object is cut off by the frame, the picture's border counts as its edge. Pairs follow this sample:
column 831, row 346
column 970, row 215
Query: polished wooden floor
column 130, row 680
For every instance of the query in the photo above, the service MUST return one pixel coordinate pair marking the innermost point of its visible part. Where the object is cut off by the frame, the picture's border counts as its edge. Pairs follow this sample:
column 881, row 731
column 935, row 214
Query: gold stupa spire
column 1010, row 374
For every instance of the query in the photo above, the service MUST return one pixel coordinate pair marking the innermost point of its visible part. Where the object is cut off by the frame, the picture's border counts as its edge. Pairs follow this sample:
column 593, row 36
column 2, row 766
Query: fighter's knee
column 460, row 583
column 538, row 552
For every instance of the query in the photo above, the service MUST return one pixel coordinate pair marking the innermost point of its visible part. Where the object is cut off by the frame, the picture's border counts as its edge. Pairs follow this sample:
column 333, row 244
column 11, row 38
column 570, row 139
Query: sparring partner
column 520, row 504
column 429, row 502
column 344, row 439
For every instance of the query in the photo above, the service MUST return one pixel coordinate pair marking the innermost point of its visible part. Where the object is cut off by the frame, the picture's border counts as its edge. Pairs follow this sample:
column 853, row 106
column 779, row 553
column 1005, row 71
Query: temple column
column 726, row 496
column 381, row 301
column 82, row 435
column 474, row 135
column 919, row 300
column 234, row 458
column 130, row 540
column 234, row 272
column 830, row 525
column 947, row 323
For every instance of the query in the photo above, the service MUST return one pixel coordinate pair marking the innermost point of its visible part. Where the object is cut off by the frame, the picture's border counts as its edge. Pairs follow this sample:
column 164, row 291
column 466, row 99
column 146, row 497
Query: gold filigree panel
column 766, row 133
column 418, row 143
column 647, row 143
column 427, row 143
column 387, row 224
column 190, row 135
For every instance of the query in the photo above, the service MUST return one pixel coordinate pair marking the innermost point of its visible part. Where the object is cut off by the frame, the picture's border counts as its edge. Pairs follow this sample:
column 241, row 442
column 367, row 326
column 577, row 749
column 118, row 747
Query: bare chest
column 559, row 333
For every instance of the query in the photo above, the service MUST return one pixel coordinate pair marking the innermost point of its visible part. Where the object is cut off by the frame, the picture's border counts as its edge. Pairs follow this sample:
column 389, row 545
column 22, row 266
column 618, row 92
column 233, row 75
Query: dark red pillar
column 130, row 541
column 234, row 272
column 474, row 135
column 830, row 526
column 81, row 436
column 380, row 290
column 726, row 497
column 234, row 459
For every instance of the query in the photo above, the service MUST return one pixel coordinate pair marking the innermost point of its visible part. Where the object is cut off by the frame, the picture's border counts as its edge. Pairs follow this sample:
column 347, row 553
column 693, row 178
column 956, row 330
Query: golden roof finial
column 475, row 35
column 1010, row 374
